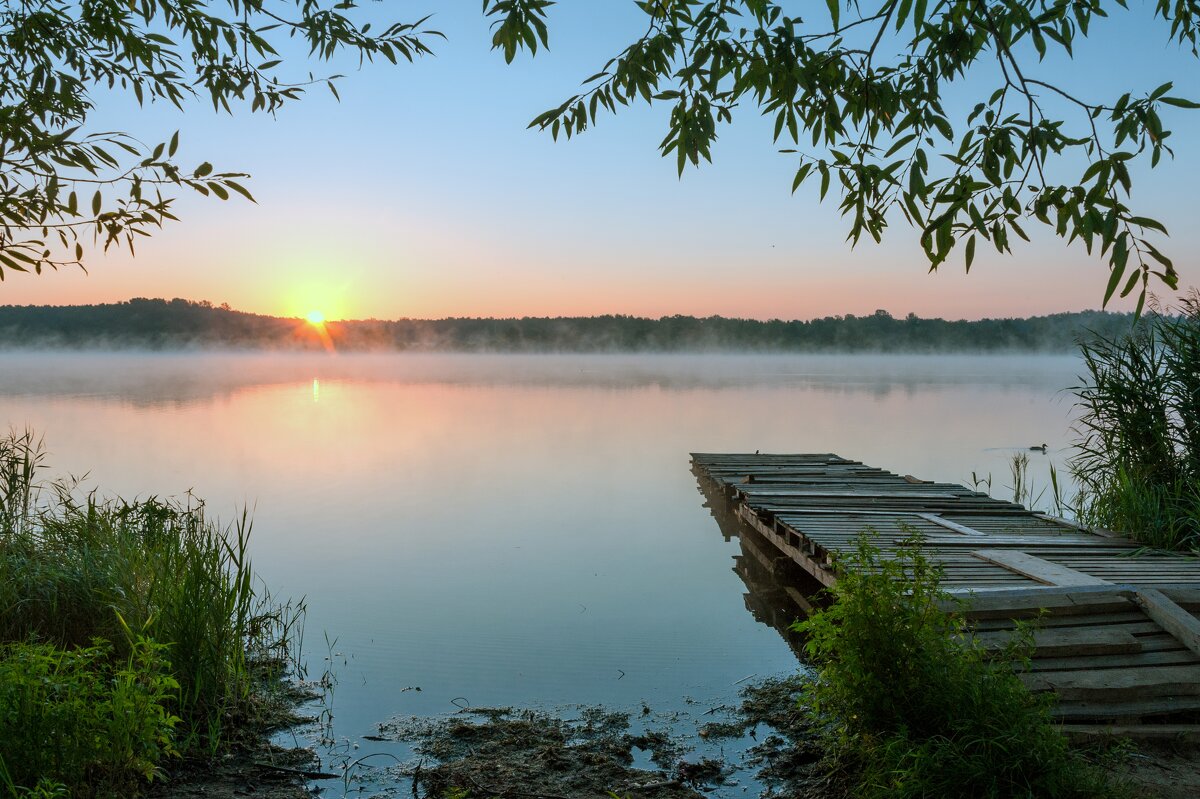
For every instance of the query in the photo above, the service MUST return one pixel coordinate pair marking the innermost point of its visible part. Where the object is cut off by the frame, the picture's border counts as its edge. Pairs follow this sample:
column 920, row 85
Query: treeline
column 162, row 324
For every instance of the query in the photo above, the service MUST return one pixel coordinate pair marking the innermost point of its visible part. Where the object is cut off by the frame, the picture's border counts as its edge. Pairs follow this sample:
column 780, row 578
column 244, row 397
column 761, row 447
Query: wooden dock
column 1117, row 637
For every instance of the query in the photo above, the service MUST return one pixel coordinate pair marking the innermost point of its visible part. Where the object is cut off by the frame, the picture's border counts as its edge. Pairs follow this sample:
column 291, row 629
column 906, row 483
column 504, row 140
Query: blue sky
column 422, row 194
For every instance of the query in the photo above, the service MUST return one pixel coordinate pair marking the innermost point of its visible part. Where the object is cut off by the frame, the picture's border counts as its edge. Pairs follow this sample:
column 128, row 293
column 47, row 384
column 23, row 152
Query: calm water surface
column 516, row 529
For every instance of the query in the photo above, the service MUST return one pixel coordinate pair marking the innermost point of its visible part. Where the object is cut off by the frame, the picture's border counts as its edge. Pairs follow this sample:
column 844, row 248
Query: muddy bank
column 265, row 772
column 250, row 764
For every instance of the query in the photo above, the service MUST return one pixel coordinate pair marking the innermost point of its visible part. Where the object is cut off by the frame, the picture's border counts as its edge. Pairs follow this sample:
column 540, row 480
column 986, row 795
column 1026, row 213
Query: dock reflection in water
column 777, row 591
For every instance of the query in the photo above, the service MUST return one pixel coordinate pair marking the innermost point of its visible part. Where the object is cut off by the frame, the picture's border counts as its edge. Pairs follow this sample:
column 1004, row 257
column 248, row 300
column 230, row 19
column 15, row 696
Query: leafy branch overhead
column 59, row 182
column 857, row 93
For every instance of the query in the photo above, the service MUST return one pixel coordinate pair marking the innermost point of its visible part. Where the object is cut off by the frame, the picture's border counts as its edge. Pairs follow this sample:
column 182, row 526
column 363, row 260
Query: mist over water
column 204, row 375
column 516, row 529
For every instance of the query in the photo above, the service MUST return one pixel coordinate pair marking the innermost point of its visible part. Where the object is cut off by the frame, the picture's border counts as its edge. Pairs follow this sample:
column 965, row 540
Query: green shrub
column 1138, row 458
column 79, row 718
column 911, row 706
column 74, row 569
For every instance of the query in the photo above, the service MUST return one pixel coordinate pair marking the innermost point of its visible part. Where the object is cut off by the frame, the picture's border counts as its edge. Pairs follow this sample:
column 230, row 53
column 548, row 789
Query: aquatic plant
column 1138, row 455
column 1022, row 482
column 909, row 705
column 1025, row 489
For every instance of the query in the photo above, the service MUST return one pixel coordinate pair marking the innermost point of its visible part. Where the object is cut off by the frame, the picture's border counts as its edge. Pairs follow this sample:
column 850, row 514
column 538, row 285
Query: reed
column 1137, row 459
column 79, row 572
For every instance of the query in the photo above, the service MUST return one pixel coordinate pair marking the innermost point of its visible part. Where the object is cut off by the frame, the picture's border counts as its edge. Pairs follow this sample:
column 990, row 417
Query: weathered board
column 1036, row 568
column 1056, row 642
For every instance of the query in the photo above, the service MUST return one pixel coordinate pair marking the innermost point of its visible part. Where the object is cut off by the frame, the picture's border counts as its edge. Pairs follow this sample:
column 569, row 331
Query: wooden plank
column 1041, row 591
column 1006, row 603
column 1036, row 568
column 949, row 525
column 960, row 509
column 1069, row 543
column 1174, row 619
column 1069, row 642
column 778, row 492
column 1140, row 626
column 1100, row 531
column 768, row 456
column 1132, row 615
column 1172, row 706
column 1161, row 657
column 1117, row 685
column 1163, row 733
column 1186, row 598
column 1083, row 544
column 1064, row 522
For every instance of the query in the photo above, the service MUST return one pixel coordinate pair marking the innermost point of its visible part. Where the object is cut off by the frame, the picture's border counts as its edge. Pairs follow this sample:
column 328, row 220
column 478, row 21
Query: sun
column 315, row 318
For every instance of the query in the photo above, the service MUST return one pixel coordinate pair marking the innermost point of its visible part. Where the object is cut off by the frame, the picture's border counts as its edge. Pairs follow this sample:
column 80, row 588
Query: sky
column 422, row 194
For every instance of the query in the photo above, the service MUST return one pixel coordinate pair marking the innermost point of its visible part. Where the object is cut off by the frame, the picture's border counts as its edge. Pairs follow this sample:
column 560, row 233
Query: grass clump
column 94, row 722
column 910, row 706
column 130, row 632
column 1138, row 460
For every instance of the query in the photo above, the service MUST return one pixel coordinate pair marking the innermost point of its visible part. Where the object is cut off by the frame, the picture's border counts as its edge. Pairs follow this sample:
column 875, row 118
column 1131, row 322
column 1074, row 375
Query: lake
column 516, row 530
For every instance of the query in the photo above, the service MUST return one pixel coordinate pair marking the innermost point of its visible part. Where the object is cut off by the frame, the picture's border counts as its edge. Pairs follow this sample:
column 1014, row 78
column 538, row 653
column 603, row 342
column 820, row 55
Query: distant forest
column 175, row 324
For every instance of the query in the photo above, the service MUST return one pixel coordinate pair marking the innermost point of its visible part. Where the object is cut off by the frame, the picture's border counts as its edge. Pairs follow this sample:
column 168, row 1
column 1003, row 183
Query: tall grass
column 1138, row 455
column 77, row 570
column 910, row 705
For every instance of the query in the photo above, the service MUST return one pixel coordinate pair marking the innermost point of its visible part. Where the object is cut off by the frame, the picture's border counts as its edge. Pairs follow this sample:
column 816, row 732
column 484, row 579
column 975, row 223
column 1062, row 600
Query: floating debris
column 510, row 752
column 503, row 752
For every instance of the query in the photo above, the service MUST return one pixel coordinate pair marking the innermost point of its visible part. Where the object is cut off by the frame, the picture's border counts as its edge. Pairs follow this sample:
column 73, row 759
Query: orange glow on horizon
column 994, row 288
column 315, row 322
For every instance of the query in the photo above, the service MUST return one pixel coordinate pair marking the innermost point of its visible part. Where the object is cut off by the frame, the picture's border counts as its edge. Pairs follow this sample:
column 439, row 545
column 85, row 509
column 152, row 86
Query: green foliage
column 58, row 181
column 1138, row 457
column 857, row 95
column 80, row 719
column 76, row 570
column 45, row 788
column 909, row 703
